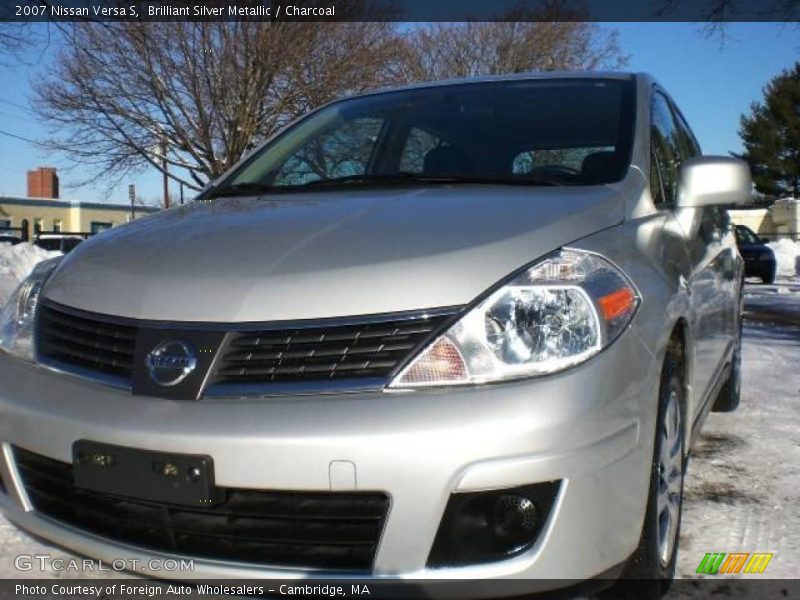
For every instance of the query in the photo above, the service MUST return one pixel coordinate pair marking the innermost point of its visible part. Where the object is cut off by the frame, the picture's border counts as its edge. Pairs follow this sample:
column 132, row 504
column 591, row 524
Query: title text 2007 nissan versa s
column 457, row 330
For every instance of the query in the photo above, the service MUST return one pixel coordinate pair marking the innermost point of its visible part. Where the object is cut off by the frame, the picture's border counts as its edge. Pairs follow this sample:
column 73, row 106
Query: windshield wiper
column 384, row 179
column 248, row 188
column 404, row 177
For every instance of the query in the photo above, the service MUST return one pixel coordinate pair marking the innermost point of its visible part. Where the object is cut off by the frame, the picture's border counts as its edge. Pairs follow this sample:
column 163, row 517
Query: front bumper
column 760, row 267
column 589, row 427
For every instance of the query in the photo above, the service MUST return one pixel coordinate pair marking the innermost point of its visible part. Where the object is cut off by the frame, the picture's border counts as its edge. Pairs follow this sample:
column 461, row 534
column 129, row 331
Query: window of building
column 5, row 223
column 98, row 226
column 57, row 225
column 38, row 225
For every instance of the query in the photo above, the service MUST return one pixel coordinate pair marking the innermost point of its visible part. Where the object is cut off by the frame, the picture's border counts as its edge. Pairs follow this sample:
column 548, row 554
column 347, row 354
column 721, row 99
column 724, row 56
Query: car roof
column 538, row 75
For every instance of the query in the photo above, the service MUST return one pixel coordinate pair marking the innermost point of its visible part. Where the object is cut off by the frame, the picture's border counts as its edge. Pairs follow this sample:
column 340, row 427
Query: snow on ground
column 787, row 255
column 15, row 264
column 741, row 490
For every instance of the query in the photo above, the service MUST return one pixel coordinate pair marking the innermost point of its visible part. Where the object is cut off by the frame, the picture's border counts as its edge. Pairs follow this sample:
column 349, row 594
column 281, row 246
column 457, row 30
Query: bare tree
column 15, row 38
column 551, row 37
column 716, row 14
column 442, row 51
column 207, row 92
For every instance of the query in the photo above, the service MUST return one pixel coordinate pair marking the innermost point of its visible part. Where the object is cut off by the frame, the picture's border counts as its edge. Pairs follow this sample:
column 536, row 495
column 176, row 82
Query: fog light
column 514, row 517
column 480, row 527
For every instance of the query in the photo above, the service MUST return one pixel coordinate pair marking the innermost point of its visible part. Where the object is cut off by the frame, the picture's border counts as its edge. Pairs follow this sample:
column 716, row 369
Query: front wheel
column 650, row 570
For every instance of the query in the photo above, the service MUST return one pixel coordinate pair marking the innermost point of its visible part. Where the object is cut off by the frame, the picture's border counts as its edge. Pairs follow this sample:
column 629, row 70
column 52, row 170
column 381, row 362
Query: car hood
column 325, row 254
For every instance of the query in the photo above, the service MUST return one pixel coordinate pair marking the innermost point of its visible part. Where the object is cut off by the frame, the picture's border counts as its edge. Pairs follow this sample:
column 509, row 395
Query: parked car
column 60, row 242
column 9, row 239
column 759, row 259
column 456, row 330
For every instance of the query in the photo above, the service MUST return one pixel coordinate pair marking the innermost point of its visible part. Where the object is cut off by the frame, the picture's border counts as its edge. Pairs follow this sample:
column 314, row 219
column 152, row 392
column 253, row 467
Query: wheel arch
column 679, row 345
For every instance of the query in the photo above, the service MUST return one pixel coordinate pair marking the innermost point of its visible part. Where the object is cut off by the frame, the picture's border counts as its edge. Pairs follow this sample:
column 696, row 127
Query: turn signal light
column 617, row 304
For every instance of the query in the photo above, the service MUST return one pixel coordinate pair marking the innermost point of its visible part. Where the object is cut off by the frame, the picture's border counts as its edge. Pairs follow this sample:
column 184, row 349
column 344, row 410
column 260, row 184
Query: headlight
column 16, row 320
column 556, row 314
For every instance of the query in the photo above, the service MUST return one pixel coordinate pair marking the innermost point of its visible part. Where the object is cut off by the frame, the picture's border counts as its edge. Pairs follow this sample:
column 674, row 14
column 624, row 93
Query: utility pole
column 132, row 198
column 181, row 192
column 164, row 170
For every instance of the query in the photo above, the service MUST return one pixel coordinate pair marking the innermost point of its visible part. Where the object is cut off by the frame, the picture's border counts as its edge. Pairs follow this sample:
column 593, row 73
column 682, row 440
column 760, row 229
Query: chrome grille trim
column 112, row 333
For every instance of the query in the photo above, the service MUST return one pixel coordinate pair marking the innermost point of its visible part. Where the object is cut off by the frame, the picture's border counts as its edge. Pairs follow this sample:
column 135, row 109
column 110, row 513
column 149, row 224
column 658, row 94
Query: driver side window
column 665, row 152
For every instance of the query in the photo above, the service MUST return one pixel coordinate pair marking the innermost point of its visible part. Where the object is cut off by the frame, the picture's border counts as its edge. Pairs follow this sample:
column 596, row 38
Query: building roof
column 45, row 202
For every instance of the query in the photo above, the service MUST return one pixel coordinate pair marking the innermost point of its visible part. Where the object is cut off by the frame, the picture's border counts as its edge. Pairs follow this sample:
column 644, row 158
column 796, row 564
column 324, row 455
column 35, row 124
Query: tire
column 649, row 572
column 768, row 278
column 730, row 394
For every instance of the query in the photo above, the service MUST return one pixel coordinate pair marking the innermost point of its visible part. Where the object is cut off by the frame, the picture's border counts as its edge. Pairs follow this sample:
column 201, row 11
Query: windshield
column 553, row 132
column 746, row 236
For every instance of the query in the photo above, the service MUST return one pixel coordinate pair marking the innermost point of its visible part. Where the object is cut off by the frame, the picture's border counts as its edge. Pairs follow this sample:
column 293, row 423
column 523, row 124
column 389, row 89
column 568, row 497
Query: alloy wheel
column 670, row 478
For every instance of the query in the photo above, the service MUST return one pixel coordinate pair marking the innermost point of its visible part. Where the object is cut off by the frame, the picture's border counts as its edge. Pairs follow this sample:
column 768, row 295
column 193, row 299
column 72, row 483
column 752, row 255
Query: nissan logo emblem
column 171, row 362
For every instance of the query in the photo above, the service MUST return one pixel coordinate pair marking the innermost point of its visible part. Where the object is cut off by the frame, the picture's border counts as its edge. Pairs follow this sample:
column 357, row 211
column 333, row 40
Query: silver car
column 461, row 330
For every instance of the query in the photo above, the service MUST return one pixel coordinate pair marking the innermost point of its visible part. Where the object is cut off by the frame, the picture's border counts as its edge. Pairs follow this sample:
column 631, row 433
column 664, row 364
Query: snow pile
column 15, row 264
column 787, row 255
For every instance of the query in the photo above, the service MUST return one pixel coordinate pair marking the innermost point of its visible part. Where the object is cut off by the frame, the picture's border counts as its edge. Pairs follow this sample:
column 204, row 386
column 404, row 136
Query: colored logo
column 720, row 563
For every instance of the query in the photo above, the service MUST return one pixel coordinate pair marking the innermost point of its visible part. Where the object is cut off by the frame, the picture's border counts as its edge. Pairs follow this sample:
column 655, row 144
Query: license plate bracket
column 184, row 479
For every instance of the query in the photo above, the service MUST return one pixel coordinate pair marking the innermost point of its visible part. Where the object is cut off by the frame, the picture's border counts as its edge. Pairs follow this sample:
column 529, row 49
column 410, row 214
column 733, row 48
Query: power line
column 15, row 105
column 17, row 117
column 19, row 137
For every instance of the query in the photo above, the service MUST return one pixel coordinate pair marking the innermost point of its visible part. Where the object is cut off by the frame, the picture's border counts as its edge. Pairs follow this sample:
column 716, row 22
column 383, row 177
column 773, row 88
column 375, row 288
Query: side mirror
column 714, row 180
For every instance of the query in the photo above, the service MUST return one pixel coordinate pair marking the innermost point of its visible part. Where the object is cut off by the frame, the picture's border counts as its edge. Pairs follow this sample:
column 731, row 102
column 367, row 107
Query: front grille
column 363, row 350
column 317, row 530
column 85, row 342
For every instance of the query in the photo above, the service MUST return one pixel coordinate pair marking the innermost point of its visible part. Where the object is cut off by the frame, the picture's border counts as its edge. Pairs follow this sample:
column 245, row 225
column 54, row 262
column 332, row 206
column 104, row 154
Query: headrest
column 601, row 167
column 446, row 160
